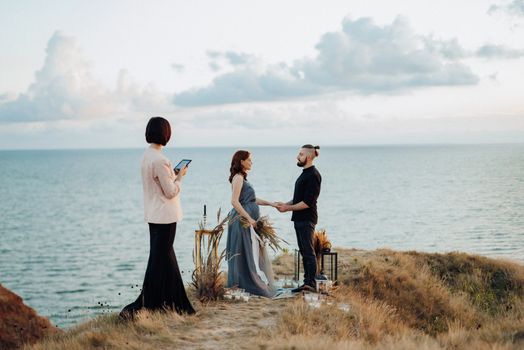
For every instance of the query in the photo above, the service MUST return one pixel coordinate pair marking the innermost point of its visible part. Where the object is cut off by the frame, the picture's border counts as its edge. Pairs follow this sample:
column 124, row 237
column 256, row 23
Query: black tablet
column 183, row 163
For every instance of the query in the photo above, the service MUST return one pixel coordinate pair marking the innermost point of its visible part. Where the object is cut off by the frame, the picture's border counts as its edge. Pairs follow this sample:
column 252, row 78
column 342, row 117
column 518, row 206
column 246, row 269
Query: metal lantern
column 328, row 265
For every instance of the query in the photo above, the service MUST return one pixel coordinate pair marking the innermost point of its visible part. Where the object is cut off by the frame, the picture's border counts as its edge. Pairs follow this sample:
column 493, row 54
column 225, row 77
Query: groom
column 304, row 208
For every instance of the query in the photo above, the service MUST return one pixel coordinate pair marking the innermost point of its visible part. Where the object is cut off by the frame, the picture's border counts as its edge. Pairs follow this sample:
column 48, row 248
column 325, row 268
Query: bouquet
column 266, row 232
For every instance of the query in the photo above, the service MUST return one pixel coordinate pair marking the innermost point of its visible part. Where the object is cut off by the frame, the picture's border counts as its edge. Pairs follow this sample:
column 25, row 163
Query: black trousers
column 163, row 287
column 305, row 231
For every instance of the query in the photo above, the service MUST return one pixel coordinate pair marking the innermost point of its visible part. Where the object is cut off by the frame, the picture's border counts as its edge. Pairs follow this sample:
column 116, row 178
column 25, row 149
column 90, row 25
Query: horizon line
column 273, row 146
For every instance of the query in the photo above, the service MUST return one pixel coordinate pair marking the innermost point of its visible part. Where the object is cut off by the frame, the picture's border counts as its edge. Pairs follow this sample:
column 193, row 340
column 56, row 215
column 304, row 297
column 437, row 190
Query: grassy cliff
column 397, row 300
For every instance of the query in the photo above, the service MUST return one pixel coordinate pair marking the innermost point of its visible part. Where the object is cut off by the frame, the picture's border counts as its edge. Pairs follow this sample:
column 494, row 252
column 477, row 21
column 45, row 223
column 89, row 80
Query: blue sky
column 78, row 74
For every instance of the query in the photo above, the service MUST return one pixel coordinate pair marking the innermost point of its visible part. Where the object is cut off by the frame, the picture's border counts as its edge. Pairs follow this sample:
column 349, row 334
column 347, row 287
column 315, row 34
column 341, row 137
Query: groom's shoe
column 304, row 288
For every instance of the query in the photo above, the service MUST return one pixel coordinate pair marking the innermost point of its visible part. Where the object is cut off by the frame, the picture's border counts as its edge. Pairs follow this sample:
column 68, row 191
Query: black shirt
column 307, row 189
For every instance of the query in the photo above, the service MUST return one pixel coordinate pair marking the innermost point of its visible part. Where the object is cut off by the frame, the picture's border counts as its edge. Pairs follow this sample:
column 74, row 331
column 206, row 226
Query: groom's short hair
column 311, row 147
column 158, row 131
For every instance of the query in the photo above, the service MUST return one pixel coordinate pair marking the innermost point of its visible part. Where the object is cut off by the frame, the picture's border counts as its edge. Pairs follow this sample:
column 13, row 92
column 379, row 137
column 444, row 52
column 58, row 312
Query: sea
column 73, row 242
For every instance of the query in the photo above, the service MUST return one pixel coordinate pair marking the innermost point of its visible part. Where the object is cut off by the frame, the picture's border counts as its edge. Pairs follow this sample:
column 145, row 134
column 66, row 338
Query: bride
column 248, row 264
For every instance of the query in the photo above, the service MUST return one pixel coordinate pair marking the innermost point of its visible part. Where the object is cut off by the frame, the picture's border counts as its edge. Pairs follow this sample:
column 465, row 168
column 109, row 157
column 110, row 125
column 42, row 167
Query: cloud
column 261, row 117
column 232, row 57
column 498, row 51
column 65, row 89
column 440, row 117
column 368, row 58
column 362, row 58
column 213, row 54
column 237, row 58
column 132, row 97
column 215, row 67
column 514, row 8
column 450, row 49
column 219, row 59
column 177, row 67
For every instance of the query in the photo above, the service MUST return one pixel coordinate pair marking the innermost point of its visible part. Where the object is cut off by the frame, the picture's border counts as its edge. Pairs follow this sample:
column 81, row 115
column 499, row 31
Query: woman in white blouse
column 163, row 287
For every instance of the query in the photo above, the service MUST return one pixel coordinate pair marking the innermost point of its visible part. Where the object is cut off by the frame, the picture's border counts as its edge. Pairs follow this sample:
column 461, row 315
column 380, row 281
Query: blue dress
column 242, row 271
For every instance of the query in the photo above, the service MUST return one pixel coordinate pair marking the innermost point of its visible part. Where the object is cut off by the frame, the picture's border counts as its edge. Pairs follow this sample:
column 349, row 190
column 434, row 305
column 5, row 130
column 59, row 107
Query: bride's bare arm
column 261, row 201
column 236, row 185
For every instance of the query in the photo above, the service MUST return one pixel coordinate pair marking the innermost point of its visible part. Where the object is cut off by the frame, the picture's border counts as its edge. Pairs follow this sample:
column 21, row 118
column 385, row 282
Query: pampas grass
column 207, row 279
column 321, row 244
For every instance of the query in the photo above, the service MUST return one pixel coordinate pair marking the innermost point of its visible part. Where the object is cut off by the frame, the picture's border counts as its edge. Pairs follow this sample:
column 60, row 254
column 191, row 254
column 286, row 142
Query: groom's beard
column 301, row 164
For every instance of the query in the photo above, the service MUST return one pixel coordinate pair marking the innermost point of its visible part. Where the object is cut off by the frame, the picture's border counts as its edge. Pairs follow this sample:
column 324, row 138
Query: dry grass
column 208, row 280
column 321, row 241
column 491, row 285
column 366, row 319
column 217, row 325
column 398, row 300
column 148, row 331
column 413, row 300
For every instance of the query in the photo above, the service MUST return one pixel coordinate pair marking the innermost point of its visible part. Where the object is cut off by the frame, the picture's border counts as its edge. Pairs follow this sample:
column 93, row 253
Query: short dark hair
column 309, row 146
column 158, row 131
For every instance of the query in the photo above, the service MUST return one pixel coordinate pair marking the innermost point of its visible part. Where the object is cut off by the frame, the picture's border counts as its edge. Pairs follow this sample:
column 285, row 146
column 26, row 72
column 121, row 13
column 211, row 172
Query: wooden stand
column 198, row 248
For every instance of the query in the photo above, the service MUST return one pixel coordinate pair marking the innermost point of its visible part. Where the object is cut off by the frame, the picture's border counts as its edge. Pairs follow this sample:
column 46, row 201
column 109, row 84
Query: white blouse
column 161, row 191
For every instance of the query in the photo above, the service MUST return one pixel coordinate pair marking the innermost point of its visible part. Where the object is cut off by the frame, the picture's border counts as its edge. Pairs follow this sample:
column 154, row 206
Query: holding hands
column 281, row 207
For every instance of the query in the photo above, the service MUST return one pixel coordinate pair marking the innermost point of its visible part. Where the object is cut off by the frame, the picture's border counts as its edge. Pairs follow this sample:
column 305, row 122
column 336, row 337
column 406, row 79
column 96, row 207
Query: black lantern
column 328, row 265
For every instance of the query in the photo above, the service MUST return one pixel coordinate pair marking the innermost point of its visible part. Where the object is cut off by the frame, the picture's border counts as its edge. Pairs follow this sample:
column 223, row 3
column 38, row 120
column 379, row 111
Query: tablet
column 183, row 163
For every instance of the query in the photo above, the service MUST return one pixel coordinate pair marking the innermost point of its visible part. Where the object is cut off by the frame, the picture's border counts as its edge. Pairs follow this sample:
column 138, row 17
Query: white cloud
column 219, row 59
column 132, row 98
column 514, row 8
column 178, row 67
column 237, row 58
column 65, row 102
column 499, row 51
column 362, row 57
column 367, row 58
column 215, row 67
column 425, row 117
column 65, row 89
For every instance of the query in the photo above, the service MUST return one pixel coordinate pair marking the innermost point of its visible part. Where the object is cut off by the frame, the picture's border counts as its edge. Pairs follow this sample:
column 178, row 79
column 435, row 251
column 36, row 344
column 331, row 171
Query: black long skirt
column 163, row 288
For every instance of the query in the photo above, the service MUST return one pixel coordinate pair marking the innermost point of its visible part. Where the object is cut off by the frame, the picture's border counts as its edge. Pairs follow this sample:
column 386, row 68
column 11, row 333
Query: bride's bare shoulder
column 238, row 177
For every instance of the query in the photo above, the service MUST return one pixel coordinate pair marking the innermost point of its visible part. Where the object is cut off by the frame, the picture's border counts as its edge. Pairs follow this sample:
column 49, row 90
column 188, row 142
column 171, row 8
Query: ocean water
column 73, row 242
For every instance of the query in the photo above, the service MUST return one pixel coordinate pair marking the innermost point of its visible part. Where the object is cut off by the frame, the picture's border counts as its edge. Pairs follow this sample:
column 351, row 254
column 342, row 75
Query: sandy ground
column 227, row 325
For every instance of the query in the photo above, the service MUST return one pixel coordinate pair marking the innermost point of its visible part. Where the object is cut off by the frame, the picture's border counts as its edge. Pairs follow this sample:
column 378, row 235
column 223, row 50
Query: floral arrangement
column 266, row 232
column 321, row 242
column 207, row 279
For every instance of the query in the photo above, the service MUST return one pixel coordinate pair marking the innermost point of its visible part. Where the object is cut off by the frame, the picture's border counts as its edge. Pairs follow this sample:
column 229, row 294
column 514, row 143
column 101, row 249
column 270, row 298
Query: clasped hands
column 281, row 207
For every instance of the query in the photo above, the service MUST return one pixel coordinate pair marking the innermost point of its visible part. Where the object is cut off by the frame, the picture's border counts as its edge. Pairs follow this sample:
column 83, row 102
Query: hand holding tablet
column 181, row 165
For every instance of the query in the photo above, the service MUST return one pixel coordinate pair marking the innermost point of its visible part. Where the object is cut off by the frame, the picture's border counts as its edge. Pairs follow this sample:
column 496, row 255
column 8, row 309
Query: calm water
column 73, row 243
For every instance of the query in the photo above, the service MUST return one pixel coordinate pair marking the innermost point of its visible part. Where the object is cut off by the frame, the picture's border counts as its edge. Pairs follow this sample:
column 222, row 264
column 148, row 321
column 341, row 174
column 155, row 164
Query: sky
column 78, row 74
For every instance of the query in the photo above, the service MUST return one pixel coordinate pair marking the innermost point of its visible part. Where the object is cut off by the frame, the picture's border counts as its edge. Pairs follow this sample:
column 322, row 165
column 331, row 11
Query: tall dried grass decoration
column 207, row 279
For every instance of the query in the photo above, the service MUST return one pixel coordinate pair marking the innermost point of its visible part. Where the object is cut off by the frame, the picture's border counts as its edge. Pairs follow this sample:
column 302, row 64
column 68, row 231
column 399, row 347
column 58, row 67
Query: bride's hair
column 236, row 165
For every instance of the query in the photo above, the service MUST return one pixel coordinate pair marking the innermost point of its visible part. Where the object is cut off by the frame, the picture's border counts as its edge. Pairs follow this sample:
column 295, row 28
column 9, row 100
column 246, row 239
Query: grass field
column 397, row 300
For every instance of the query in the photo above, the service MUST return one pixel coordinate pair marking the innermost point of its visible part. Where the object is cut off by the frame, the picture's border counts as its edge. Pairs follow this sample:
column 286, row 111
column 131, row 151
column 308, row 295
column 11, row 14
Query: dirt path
column 233, row 324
